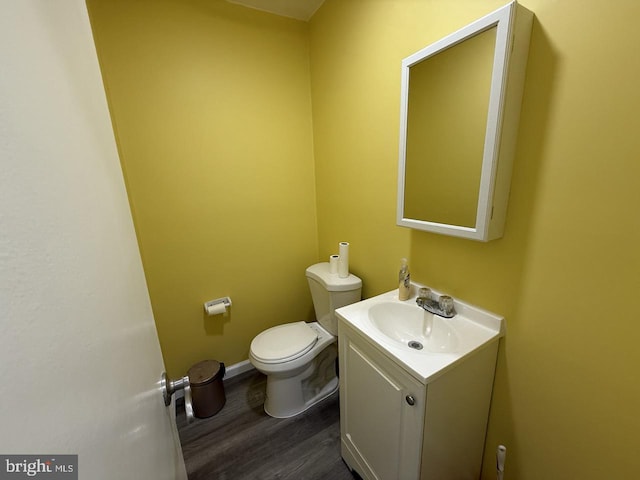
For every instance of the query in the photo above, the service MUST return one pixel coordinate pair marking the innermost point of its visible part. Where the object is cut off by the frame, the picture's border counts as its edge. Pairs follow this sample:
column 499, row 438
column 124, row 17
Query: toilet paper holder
column 217, row 306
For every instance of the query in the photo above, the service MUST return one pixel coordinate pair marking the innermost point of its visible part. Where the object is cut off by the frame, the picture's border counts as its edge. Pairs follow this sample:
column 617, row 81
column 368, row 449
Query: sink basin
column 413, row 326
column 400, row 327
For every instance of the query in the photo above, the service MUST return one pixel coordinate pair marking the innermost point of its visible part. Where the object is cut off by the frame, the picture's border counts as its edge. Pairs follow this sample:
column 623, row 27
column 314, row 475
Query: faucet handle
column 446, row 304
column 424, row 292
column 424, row 296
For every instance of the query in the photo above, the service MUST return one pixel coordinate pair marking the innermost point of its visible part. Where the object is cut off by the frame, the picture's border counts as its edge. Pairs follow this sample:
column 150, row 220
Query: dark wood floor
column 243, row 442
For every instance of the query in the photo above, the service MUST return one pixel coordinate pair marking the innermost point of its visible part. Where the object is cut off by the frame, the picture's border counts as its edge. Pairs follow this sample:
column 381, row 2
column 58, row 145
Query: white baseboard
column 238, row 368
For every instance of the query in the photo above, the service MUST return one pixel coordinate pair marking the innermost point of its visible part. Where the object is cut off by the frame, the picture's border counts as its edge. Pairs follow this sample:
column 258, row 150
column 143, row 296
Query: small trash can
column 207, row 389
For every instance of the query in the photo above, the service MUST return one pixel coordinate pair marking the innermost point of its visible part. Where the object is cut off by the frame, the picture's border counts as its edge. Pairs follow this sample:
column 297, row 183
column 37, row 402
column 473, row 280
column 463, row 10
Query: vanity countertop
column 470, row 330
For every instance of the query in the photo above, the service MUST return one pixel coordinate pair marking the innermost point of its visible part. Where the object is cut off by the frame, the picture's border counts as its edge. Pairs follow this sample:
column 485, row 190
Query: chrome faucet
column 442, row 307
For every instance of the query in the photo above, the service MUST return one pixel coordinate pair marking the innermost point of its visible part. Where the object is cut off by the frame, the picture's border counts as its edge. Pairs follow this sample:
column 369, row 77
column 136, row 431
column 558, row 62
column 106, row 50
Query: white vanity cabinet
column 381, row 411
column 395, row 426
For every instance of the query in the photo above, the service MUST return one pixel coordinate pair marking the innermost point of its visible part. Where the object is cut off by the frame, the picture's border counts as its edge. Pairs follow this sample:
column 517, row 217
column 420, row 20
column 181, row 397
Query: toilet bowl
column 299, row 358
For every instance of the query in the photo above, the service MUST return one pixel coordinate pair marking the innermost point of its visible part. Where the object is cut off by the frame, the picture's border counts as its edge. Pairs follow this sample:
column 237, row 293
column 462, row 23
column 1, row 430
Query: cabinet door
column 381, row 413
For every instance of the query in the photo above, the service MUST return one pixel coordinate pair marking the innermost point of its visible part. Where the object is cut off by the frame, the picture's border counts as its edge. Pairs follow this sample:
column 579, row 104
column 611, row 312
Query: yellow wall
column 211, row 107
column 567, row 271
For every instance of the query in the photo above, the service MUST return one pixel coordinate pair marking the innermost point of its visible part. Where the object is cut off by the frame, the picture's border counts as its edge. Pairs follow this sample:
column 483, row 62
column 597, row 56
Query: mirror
column 460, row 105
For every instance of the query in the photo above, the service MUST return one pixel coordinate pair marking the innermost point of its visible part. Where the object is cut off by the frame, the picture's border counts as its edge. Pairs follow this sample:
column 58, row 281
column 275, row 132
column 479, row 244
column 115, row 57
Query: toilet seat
column 283, row 343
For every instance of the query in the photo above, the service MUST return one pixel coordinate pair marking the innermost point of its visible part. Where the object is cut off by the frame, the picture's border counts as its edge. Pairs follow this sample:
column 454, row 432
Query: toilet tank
column 329, row 292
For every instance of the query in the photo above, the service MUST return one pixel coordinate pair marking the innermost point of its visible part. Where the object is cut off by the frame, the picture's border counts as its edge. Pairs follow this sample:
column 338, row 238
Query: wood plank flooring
column 242, row 442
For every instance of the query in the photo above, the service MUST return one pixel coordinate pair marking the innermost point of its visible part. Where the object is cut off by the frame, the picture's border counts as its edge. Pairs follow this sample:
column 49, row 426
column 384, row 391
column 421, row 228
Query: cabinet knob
column 410, row 400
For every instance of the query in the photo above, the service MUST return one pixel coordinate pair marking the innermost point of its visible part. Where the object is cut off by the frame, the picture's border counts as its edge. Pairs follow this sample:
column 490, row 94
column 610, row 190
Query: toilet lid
column 283, row 342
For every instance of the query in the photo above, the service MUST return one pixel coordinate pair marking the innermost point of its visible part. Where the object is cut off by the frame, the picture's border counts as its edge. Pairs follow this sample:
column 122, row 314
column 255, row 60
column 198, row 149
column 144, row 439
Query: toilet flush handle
column 169, row 387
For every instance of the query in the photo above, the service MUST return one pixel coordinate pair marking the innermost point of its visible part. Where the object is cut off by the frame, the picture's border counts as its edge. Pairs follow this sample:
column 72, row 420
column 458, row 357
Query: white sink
column 399, row 328
column 414, row 327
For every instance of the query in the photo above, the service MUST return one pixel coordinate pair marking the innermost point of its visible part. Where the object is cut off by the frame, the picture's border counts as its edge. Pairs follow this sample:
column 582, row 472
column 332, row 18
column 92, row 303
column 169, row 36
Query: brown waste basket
column 207, row 389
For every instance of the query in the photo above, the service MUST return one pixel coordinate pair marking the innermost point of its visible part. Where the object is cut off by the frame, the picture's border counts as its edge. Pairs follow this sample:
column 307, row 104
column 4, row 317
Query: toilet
column 299, row 358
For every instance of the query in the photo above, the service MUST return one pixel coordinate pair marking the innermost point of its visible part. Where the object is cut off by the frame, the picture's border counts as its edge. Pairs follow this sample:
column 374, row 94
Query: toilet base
column 290, row 396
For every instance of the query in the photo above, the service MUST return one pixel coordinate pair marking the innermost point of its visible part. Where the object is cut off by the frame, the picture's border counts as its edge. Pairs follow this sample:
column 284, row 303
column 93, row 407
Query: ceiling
column 298, row 9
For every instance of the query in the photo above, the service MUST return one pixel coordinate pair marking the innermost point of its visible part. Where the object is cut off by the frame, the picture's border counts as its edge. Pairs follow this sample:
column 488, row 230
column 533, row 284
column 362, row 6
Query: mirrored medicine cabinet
column 460, row 105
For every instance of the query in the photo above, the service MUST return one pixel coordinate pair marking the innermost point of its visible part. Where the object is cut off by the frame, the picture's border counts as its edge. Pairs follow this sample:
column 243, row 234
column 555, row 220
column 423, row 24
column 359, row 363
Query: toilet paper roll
column 333, row 263
column 216, row 309
column 343, row 260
